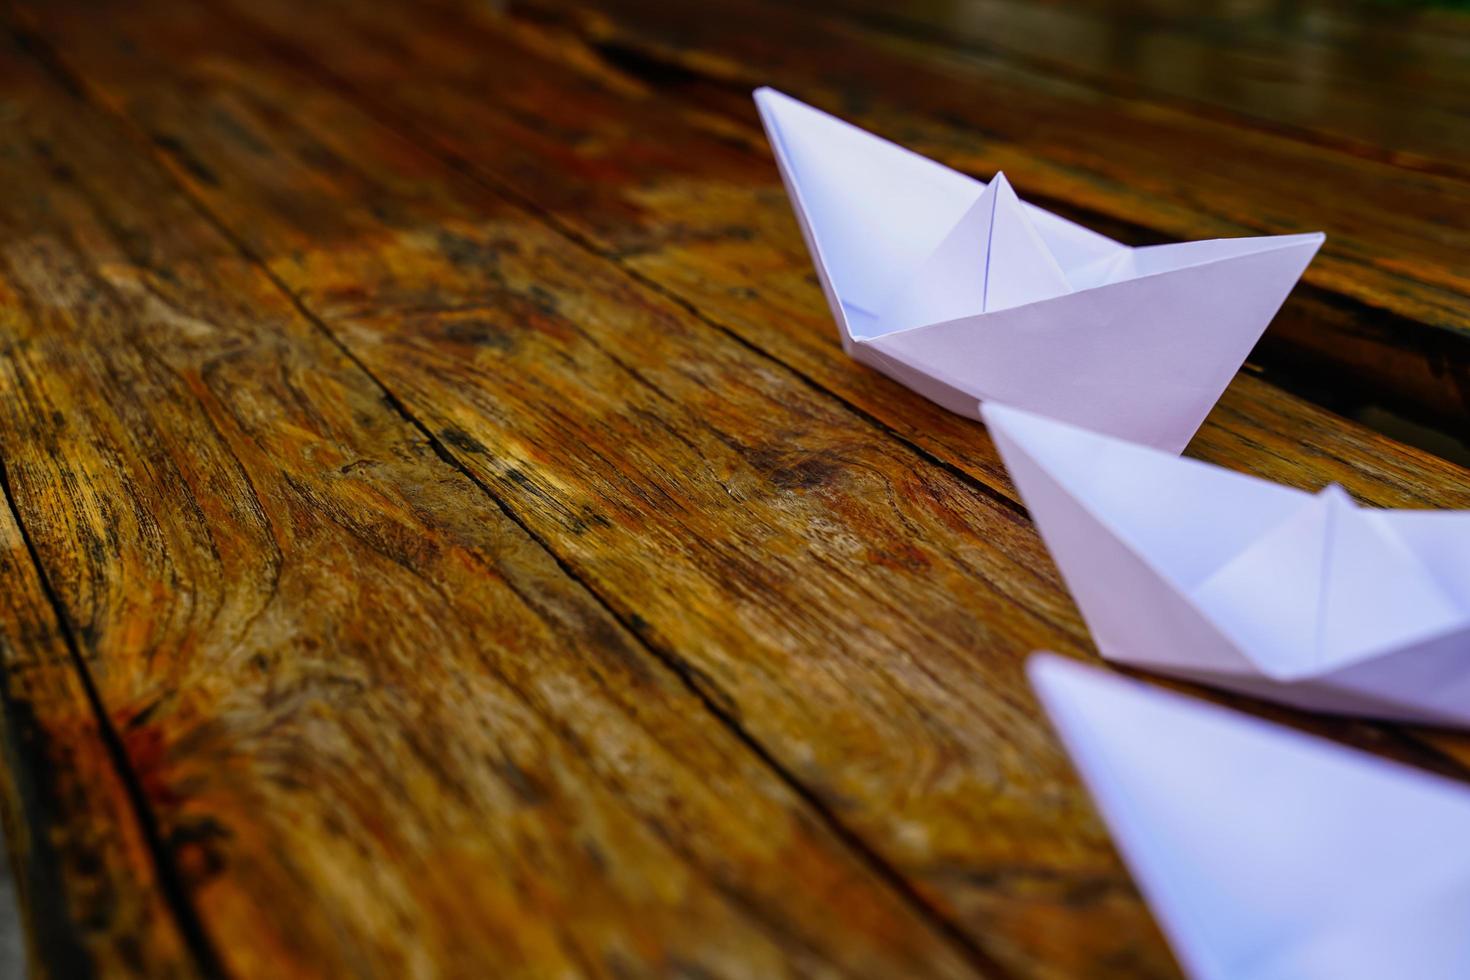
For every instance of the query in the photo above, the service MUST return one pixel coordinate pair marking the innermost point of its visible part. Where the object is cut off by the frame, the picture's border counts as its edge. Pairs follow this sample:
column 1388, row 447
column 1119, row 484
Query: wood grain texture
column 81, row 859
column 469, row 520
column 1385, row 300
column 380, row 730
column 857, row 603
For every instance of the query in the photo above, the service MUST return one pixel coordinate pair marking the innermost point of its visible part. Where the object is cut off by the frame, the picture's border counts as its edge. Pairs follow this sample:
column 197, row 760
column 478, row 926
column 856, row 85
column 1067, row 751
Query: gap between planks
column 170, row 881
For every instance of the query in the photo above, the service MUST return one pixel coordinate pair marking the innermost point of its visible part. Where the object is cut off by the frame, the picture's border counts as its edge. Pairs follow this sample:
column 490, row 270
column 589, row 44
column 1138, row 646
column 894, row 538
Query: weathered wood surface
column 79, row 856
column 379, row 729
column 468, row 520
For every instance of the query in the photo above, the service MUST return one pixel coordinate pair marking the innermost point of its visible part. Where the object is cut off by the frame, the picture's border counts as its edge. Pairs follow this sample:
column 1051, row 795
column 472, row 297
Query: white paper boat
column 1198, row 572
column 1264, row 853
column 963, row 293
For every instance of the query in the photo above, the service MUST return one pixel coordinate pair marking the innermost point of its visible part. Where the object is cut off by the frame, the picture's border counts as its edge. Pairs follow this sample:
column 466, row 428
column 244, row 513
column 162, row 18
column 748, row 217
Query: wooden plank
column 1388, row 304
column 379, row 728
column 1381, row 81
column 92, row 901
column 860, row 609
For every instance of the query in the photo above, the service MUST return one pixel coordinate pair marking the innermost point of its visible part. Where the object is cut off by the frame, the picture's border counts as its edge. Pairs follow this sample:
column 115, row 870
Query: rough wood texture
column 428, row 426
column 380, row 730
column 79, row 855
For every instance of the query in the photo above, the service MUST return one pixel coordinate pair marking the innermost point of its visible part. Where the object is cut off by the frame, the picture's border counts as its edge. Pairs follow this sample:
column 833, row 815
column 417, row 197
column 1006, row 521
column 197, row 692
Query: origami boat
column 1265, row 853
column 1217, row 577
column 963, row 293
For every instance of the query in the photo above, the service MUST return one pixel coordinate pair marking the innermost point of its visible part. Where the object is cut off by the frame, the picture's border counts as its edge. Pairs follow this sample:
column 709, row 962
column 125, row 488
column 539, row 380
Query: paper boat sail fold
column 1218, row 577
column 965, row 293
column 1265, row 853
column 991, row 260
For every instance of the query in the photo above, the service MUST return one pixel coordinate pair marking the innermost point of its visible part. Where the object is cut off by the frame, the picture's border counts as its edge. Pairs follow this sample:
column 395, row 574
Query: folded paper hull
column 1143, row 359
column 1422, row 686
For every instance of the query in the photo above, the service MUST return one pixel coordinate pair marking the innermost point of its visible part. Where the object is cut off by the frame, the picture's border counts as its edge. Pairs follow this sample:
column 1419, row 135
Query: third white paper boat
column 1210, row 575
column 963, row 293
column 1264, row 853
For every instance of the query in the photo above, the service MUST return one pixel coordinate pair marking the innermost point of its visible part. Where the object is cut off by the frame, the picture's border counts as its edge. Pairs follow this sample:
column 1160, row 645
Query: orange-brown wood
column 380, row 730
column 79, row 853
column 467, row 514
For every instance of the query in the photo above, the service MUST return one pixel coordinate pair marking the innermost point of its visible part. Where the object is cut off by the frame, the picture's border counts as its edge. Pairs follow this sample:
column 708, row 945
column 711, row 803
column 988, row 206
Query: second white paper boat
column 963, row 293
column 1218, row 577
